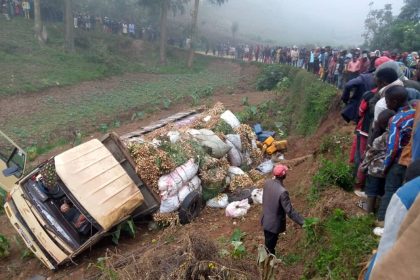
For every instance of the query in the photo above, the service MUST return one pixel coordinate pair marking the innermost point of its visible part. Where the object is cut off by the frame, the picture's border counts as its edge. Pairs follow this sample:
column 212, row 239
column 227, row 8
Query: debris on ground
column 209, row 153
column 192, row 257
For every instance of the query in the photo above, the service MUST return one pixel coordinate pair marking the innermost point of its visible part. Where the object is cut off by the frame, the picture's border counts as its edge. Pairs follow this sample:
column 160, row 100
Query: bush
column 4, row 246
column 333, row 173
column 270, row 76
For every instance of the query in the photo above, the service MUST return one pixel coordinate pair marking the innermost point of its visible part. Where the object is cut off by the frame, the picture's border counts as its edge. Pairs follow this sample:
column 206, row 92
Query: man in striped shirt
column 400, row 128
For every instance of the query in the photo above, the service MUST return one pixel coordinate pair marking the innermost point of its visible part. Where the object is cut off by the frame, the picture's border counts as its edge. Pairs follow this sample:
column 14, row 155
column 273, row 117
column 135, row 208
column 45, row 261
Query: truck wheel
column 190, row 208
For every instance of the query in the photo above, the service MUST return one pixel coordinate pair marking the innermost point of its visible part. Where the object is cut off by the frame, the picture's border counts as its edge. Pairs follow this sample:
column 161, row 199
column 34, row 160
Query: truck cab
column 69, row 202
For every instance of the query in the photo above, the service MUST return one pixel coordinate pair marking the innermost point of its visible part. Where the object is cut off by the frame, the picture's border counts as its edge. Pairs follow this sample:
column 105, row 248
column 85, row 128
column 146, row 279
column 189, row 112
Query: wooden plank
column 160, row 123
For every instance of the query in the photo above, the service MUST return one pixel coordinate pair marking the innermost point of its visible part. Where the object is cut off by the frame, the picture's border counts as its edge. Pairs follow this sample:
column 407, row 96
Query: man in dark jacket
column 352, row 95
column 276, row 204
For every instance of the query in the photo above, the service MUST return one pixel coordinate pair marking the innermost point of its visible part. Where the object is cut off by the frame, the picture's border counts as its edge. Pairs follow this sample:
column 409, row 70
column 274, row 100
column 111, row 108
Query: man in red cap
column 276, row 204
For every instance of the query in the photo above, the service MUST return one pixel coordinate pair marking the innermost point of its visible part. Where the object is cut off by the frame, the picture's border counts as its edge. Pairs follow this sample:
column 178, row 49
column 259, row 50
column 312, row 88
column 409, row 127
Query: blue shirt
column 400, row 128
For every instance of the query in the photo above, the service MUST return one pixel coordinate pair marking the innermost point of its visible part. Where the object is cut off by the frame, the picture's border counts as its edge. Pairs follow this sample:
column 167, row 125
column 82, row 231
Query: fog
column 335, row 22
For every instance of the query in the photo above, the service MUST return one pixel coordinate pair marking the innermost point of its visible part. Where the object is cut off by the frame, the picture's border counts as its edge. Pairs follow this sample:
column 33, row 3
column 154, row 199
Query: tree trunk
column 163, row 29
column 68, row 26
column 193, row 33
column 38, row 20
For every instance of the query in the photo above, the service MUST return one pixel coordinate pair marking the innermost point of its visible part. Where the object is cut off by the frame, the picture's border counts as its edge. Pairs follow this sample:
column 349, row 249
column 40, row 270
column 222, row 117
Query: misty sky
column 297, row 21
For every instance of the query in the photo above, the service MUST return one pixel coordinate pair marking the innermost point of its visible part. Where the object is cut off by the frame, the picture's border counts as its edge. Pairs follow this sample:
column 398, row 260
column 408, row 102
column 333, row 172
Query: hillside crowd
column 380, row 93
column 14, row 8
column 88, row 22
column 332, row 65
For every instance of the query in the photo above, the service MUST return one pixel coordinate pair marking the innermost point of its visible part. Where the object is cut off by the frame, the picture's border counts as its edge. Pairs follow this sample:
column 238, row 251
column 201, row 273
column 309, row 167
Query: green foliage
column 3, row 195
column 101, row 265
column 383, row 31
column 25, row 252
column 334, row 143
column 167, row 103
column 341, row 244
column 175, row 151
column 283, row 85
column 103, row 128
column 305, row 99
column 267, row 114
column 314, row 195
column 270, row 76
column 333, row 173
column 126, row 226
column 245, row 101
column 4, row 246
column 223, row 127
column 291, row 259
column 310, row 230
column 239, row 250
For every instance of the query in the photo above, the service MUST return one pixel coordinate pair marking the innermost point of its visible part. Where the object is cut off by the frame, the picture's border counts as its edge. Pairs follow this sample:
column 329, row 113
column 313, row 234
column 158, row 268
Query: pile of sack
column 204, row 154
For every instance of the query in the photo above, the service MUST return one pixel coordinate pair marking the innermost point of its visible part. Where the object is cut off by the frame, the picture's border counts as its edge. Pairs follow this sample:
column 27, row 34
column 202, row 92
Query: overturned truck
column 68, row 203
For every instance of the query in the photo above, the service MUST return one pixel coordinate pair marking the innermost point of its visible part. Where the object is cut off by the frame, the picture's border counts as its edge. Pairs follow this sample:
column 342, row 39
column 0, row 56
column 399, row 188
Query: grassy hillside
column 26, row 65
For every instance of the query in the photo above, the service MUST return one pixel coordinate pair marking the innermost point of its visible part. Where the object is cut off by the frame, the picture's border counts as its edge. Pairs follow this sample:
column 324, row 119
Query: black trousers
column 271, row 241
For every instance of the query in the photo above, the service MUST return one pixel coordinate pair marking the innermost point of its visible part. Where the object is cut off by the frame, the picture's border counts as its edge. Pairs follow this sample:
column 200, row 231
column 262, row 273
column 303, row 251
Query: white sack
column 234, row 155
column 172, row 182
column 237, row 209
column 233, row 171
column 172, row 203
column 257, row 196
column 231, row 119
column 246, row 159
column 208, row 139
column 192, row 185
column 235, row 139
column 266, row 167
column 174, row 136
column 220, row 201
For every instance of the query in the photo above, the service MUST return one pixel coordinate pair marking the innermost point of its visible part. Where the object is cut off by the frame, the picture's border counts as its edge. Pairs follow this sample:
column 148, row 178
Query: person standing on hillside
column 26, row 8
column 276, row 204
column 400, row 128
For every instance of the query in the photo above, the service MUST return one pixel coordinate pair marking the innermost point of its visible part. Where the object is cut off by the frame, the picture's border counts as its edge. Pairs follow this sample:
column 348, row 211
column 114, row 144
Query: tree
column 163, row 30
column 194, row 28
column 68, row 26
column 234, row 29
column 377, row 24
column 164, row 6
column 410, row 11
column 383, row 31
column 38, row 21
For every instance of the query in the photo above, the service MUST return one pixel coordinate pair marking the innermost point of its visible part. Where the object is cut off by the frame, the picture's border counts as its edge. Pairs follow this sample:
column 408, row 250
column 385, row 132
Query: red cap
column 381, row 60
column 280, row 170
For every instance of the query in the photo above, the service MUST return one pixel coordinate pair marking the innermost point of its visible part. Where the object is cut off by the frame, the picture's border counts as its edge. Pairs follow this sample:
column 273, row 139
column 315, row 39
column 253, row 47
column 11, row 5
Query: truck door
column 12, row 163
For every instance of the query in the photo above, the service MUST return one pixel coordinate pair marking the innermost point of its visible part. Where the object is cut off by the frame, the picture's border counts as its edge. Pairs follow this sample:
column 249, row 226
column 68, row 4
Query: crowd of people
column 381, row 98
column 89, row 22
column 16, row 8
column 332, row 65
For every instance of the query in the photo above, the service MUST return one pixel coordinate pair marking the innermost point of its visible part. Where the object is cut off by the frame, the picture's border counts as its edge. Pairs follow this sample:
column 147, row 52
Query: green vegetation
column 238, row 250
column 333, row 173
column 306, row 100
column 28, row 66
column 102, row 265
column 334, row 144
column 340, row 244
column 126, row 226
column 4, row 246
column 383, row 31
column 268, row 114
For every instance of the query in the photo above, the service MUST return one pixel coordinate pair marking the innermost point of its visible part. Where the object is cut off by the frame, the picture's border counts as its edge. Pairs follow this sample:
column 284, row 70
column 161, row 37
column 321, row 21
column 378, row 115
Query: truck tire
column 190, row 208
